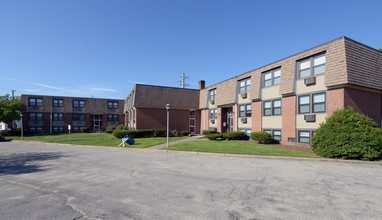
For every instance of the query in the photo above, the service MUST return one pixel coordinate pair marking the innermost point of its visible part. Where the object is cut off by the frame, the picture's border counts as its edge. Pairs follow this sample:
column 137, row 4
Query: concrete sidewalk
column 190, row 138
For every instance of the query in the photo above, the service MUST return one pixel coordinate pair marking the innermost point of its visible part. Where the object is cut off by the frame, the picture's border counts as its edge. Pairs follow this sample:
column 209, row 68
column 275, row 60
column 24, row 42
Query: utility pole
column 183, row 79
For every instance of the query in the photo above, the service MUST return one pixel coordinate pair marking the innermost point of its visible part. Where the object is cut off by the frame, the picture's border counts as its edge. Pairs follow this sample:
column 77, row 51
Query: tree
column 10, row 108
column 349, row 135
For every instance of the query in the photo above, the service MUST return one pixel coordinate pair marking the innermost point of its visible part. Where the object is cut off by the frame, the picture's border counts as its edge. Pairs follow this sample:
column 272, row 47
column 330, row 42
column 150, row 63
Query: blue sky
column 102, row 48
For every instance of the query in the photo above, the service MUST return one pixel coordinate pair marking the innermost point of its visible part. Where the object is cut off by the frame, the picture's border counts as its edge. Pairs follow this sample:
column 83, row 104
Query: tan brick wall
column 364, row 65
column 226, row 92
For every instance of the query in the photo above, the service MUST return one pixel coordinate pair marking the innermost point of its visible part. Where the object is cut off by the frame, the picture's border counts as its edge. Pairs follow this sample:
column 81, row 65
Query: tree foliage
column 10, row 108
column 349, row 135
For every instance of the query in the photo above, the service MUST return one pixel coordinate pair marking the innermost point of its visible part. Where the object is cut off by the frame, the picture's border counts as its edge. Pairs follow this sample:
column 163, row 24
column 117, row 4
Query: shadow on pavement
column 22, row 163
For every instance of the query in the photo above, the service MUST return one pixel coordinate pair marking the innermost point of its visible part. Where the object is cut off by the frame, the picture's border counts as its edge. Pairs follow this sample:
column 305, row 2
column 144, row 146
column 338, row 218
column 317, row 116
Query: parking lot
column 49, row 181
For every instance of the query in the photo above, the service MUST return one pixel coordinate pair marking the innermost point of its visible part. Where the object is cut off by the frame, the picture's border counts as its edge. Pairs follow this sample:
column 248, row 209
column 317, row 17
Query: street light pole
column 168, row 106
column 22, row 127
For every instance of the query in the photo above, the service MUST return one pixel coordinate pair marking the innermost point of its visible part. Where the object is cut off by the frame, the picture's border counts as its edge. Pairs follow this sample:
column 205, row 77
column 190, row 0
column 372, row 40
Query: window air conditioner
column 244, row 95
column 212, row 121
column 212, row 102
column 244, row 120
column 310, row 81
column 310, row 118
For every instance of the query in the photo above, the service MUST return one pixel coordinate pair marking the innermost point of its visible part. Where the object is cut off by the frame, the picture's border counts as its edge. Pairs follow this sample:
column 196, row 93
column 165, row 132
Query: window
column 313, row 103
column 212, row 94
column 35, row 130
column 112, row 118
column 272, row 107
column 276, row 134
column 35, row 102
column 78, row 117
column 59, row 129
column 312, row 66
column 304, row 136
column 58, row 102
column 244, row 85
column 58, row 116
column 271, row 78
column 78, row 104
column 213, row 113
column 246, row 131
column 276, row 107
column 245, row 110
column 35, row 116
column 112, row 105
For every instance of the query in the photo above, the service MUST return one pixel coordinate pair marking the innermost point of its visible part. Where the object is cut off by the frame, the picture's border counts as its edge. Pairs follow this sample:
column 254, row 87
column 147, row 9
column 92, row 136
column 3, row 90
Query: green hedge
column 261, row 137
column 206, row 132
column 234, row 135
column 349, row 135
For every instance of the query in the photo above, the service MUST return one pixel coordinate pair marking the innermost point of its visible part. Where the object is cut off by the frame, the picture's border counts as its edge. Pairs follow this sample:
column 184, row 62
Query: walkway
column 190, row 138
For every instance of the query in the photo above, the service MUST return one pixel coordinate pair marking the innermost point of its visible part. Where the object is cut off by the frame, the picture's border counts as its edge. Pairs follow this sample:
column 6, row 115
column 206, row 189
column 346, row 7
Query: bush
column 206, row 132
column 215, row 136
column 349, row 135
column 261, row 137
column 85, row 130
column 120, row 133
column 184, row 133
column 235, row 135
column 110, row 129
column 160, row 133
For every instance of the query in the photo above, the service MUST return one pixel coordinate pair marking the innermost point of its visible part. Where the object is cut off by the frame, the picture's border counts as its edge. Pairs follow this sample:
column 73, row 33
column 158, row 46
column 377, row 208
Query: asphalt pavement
column 52, row 181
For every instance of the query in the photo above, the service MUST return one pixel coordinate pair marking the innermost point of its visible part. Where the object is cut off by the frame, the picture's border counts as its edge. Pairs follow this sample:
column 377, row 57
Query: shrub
column 122, row 127
column 185, row 133
column 206, row 132
column 261, row 137
column 349, row 135
column 235, row 135
column 120, row 133
column 85, row 130
column 110, row 129
column 215, row 136
column 160, row 133
column 174, row 133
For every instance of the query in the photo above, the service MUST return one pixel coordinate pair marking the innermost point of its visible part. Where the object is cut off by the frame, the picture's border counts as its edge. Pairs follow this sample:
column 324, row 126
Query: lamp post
column 22, row 128
column 168, row 106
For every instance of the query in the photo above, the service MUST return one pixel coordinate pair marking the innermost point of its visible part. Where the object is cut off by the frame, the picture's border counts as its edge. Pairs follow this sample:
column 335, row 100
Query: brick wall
column 289, row 118
column 368, row 103
column 152, row 118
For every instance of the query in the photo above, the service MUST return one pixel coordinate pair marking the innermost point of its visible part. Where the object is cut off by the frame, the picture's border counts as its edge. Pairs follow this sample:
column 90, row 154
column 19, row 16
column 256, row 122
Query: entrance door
column 192, row 122
column 229, row 120
column 96, row 121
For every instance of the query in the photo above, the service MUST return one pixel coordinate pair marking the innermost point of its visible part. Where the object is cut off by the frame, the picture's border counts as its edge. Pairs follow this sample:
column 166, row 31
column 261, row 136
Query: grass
column 94, row 139
column 225, row 147
column 239, row 147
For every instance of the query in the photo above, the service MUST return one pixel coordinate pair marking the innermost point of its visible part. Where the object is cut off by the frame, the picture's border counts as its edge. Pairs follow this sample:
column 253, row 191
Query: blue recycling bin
column 129, row 140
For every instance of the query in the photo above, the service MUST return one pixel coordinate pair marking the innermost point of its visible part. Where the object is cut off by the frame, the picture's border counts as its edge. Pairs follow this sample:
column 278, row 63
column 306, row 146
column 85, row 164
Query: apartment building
column 289, row 98
column 145, row 108
column 54, row 114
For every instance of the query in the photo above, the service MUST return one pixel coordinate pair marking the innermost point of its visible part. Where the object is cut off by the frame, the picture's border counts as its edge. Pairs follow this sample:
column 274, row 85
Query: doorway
column 227, row 119
column 96, row 121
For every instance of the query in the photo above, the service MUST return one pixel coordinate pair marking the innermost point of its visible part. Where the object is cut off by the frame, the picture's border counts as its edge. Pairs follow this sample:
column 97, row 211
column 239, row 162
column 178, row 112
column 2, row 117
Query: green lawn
column 226, row 147
column 238, row 147
column 94, row 139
